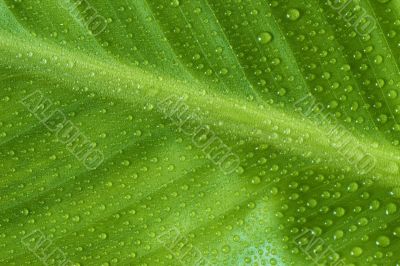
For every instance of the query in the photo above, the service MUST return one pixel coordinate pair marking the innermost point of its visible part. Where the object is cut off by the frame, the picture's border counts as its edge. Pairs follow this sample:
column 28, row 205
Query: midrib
column 134, row 86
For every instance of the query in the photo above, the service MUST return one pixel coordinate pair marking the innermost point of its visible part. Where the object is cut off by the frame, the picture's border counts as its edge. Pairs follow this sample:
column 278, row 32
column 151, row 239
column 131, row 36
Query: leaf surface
column 304, row 104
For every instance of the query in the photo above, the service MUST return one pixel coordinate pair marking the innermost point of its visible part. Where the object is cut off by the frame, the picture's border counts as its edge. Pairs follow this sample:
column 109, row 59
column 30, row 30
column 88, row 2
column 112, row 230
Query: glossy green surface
column 305, row 100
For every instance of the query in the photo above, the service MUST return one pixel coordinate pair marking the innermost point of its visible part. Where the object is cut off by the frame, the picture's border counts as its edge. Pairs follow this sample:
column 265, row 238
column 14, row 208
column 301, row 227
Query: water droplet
column 383, row 241
column 390, row 208
column 256, row 180
column 175, row 3
column 293, row 14
column 264, row 37
column 339, row 212
column 103, row 236
column 356, row 251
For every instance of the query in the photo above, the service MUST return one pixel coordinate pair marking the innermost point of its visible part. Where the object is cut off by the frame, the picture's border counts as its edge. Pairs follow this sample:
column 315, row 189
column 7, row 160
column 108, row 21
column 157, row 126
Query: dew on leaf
column 264, row 37
column 293, row 14
column 383, row 241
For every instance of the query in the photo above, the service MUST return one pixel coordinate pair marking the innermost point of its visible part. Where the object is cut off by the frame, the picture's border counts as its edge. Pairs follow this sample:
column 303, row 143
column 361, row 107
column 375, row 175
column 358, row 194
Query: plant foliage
column 208, row 132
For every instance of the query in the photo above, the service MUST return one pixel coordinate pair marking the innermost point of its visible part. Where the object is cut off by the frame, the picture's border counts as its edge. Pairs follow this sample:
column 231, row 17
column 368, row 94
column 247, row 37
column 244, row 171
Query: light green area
column 241, row 66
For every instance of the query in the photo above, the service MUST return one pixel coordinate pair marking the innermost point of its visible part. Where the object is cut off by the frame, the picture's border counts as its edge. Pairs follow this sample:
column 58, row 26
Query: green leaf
column 202, row 132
